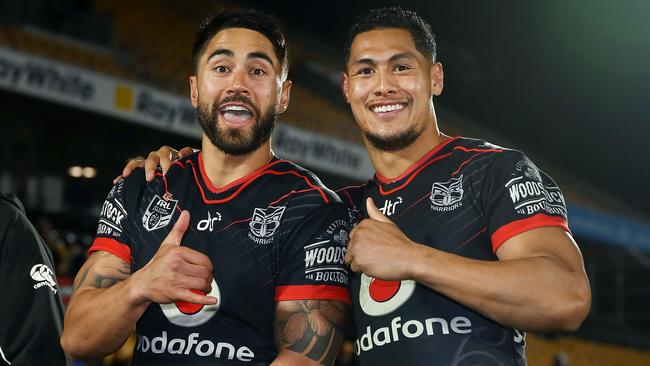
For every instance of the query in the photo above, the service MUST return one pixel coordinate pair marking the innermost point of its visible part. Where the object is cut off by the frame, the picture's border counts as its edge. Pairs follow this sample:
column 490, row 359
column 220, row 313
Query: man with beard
column 470, row 246
column 233, row 256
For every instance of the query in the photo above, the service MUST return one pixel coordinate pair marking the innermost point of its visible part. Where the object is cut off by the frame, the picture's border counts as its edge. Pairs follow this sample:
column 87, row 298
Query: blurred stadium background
column 87, row 84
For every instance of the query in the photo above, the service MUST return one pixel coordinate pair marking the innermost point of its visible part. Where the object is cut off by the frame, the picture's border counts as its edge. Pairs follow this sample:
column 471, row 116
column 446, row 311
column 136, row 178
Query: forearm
column 290, row 358
column 538, row 293
column 309, row 332
column 99, row 320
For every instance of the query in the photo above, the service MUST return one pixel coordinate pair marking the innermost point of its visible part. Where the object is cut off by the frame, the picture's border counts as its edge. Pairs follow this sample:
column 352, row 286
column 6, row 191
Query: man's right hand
column 163, row 157
column 174, row 271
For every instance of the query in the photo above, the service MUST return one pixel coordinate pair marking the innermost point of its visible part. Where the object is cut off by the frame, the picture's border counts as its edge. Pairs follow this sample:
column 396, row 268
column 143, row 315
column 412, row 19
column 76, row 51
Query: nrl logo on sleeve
column 159, row 212
column 264, row 223
column 447, row 196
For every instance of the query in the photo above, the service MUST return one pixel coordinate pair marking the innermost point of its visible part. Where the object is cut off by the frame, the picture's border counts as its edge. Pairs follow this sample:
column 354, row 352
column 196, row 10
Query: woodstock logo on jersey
column 264, row 223
column 447, row 196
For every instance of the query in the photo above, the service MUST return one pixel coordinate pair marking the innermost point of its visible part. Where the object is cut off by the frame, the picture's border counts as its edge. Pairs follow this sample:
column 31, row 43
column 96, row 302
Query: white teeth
column 234, row 108
column 388, row 108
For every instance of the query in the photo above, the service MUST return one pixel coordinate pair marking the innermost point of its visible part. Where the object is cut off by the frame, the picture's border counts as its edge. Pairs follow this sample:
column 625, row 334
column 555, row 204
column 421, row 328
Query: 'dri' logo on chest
column 159, row 212
column 447, row 196
column 264, row 223
column 390, row 206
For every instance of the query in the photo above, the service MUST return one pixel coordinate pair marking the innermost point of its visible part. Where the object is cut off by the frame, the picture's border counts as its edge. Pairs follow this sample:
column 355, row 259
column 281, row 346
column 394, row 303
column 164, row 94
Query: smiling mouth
column 385, row 108
column 236, row 114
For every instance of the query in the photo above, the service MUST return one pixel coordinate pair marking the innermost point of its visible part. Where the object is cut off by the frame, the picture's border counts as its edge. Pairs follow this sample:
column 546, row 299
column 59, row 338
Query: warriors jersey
column 465, row 197
column 277, row 234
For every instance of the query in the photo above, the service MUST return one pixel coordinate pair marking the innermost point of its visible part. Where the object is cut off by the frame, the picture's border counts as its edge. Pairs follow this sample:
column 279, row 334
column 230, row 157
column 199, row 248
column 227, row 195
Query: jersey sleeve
column 312, row 257
column 112, row 230
column 518, row 196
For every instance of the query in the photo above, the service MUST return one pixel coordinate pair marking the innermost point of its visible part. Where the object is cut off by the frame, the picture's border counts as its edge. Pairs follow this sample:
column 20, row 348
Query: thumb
column 176, row 235
column 374, row 213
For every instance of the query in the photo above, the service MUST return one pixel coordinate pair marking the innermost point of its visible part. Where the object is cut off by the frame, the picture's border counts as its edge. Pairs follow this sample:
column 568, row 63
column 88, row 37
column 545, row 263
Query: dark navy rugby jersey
column 277, row 234
column 465, row 197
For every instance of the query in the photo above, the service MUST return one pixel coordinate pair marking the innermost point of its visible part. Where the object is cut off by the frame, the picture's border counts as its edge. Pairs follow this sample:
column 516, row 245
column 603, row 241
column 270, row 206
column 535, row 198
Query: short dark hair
column 394, row 17
column 251, row 19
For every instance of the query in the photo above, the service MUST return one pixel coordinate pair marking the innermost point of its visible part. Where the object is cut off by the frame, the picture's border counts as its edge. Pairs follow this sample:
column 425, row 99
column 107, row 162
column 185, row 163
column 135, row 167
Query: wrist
column 413, row 255
column 136, row 294
column 418, row 261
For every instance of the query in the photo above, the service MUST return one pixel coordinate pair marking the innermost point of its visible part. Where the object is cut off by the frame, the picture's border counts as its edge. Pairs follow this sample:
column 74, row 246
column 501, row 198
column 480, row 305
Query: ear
column 345, row 86
column 285, row 95
column 194, row 92
column 437, row 78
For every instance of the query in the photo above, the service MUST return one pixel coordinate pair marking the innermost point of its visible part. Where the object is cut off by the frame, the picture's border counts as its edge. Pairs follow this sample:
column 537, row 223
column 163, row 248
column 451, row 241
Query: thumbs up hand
column 374, row 213
column 175, row 270
column 379, row 248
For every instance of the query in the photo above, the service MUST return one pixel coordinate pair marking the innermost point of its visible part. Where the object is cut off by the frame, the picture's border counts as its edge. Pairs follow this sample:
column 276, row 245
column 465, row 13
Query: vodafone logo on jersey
column 379, row 297
column 185, row 314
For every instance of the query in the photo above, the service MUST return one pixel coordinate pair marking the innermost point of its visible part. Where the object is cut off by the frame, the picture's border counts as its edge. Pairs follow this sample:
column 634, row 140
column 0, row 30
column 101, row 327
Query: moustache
column 239, row 98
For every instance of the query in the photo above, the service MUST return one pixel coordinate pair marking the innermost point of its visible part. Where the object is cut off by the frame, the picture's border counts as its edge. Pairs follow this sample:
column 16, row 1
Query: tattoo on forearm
column 81, row 280
column 101, row 275
column 313, row 328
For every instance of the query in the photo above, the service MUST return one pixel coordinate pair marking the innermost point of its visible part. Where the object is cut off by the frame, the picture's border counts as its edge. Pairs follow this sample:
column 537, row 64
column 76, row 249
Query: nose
column 385, row 84
column 238, row 85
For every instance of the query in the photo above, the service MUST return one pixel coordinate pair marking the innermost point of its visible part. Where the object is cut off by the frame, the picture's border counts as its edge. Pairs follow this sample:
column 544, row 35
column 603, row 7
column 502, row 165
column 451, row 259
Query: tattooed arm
column 309, row 332
column 108, row 300
column 99, row 318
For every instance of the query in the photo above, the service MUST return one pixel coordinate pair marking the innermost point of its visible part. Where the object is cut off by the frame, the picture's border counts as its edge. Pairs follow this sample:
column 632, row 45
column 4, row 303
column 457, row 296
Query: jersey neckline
column 415, row 166
column 250, row 176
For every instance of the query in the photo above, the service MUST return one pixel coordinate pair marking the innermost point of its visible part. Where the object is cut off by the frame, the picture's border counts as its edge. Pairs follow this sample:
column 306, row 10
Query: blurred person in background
column 31, row 312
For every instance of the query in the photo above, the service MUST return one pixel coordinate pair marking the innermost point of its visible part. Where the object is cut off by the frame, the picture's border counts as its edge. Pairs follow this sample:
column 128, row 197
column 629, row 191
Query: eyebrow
column 398, row 56
column 393, row 58
column 261, row 55
column 219, row 52
column 365, row 61
column 252, row 55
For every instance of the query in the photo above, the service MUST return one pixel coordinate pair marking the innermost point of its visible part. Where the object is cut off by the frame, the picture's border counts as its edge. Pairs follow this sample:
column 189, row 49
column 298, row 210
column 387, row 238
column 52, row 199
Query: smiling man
column 471, row 245
column 208, row 262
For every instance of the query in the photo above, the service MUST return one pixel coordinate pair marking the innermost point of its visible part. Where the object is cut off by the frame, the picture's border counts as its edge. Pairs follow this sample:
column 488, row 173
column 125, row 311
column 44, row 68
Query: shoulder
column 19, row 239
column 353, row 195
column 482, row 153
column 10, row 205
column 135, row 186
column 11, row 213
column 472, row 145
column 303, row 183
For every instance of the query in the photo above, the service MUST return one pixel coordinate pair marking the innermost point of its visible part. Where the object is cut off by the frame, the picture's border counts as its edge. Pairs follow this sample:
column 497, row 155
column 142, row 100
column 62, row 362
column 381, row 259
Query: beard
column 395, row 142
column 235, row 141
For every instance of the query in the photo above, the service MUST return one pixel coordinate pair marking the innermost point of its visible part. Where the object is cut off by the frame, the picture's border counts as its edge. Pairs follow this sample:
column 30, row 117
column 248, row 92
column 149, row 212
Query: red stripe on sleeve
column 112, row 246
column 312, row 292
column 507, row 231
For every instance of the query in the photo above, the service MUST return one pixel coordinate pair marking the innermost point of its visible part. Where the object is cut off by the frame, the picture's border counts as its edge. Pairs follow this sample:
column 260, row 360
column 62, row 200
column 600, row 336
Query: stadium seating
column 60, row 49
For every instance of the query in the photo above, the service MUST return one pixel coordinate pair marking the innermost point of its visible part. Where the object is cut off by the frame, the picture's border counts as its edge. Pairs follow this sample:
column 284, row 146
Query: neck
column 223, row 169
column 391, row 164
